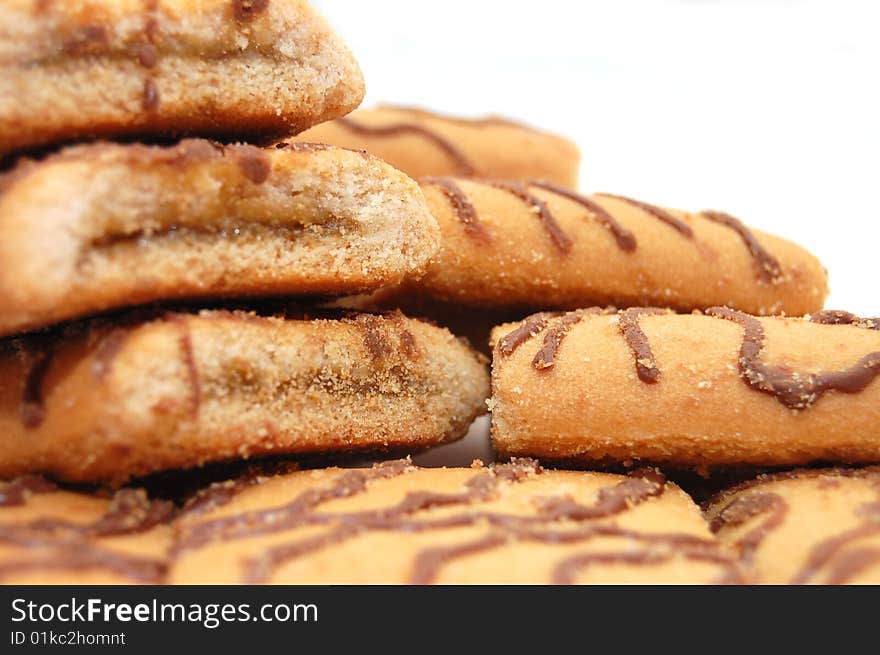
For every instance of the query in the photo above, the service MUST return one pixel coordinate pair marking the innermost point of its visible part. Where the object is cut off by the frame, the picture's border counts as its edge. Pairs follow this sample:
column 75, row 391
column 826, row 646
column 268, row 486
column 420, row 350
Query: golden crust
column 692, row 390
column 53, row 536
column 102, row 226
column 223, row 68
column 395, row 523
column 534, row 246
column 818, row 526
column 423, row 143
column 109, row 400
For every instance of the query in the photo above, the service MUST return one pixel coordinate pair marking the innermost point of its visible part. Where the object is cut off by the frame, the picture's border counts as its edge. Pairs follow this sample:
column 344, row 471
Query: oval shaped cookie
column 423, row 143
column 110, row 400
column 535, row 245
column 818, row 526
column 694, row 390
column 102, row 226
column 396, row 523
column 221, row 68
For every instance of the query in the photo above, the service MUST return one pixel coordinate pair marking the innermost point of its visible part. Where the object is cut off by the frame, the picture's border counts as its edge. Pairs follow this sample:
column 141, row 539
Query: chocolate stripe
column 827, row 549
column 794, row 389
column 545, row 358
column 639, row 487
column 658, row 213
column 539, row 207
column 646, row 364
column 82, row 557
column 837, row 317
column 744, row 508
column 768, row 266
column 566, row 571
column 530, row 327
column 625, row 239
column 59, row 544
column 462, row 164
column 289, row 515
column 32, row 409
column 462, row 207
column 853, row 564
column 189, row 360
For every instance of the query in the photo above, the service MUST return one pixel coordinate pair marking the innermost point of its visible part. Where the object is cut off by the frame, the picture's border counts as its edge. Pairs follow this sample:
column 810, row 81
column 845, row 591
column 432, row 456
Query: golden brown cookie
column 819, row 526
column 82, row 69
column 103, row 226
column 109, row 400
column 694, row 390
column 422, row 143
column 52, row 536
column 396, row 523
column 537, row 246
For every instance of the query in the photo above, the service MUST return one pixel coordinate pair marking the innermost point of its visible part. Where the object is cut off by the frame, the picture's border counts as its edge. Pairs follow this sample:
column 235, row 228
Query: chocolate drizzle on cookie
column 59, row 544
column 837, row 317
column 743, row 509
column 625, row 239
column 832, row 554
column 462, row 207
column 462, row 164
column 36, row 353
column 189, row 360
column 769, row 268
column 793, row 389
column 676, row 547
column 402, row 516
column 289, row 515
column 525, row 331
column 628, row 322
column 545, row 358
column 637, row 340
column 32, row 408
column 660, row 214
column 538, row 207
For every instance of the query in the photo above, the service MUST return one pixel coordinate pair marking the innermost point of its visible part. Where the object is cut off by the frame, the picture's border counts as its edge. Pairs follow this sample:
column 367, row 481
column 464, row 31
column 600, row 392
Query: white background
column 768, row 110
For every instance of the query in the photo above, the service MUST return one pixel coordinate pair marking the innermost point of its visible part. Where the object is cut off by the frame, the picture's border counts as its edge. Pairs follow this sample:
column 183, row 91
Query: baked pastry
column 533, row 245
column 396, row 523
column 105, row 225
column 229, row 69
column 422, row 143
column 819, row 526
column 694, row 390
column 52, row 536
column 112, row 399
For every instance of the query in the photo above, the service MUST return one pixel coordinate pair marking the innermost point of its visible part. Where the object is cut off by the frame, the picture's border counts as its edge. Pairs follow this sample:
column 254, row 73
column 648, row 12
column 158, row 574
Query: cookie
column 422, row 143
column 102, row 226
column 164, row 68
column 536, row 246
column 52, row 536
column 108, row 400
column 819, row 526
column 696, row 390
column 396, row 523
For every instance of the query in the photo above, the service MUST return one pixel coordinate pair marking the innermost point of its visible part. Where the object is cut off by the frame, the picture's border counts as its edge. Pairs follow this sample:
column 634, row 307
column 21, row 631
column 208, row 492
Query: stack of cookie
column 193, row 304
